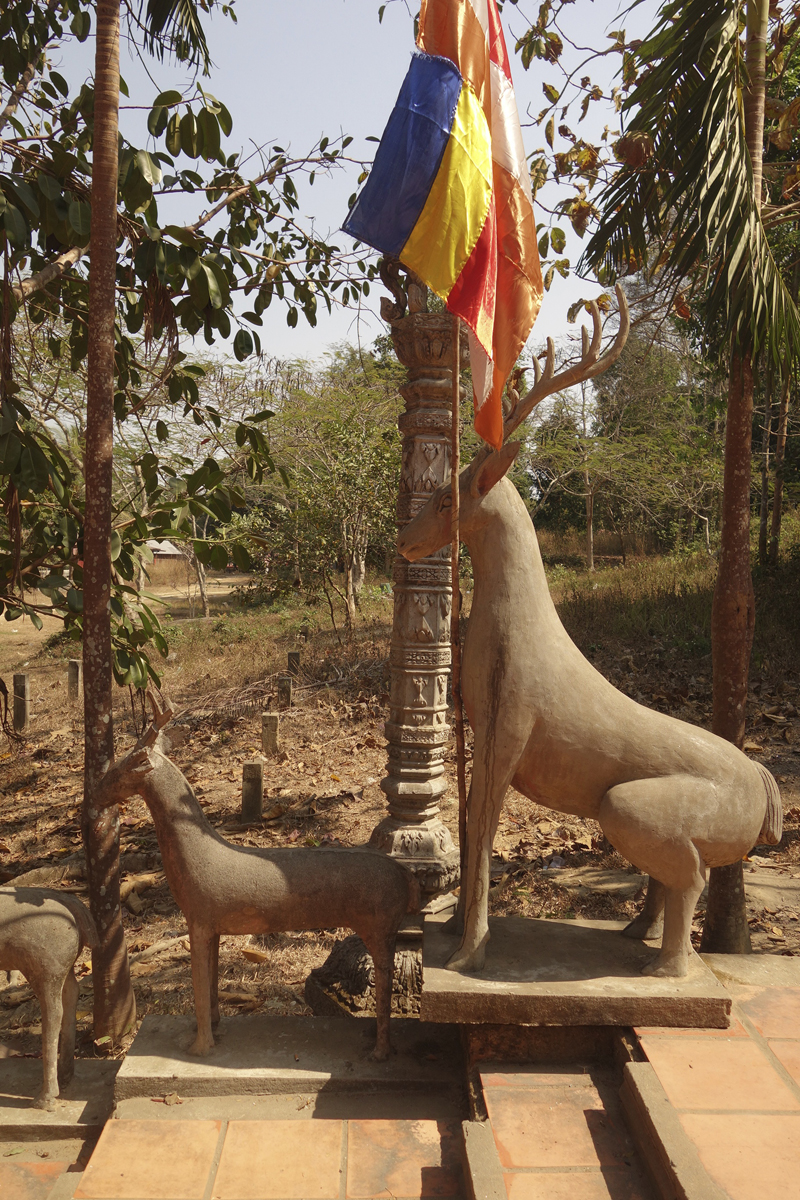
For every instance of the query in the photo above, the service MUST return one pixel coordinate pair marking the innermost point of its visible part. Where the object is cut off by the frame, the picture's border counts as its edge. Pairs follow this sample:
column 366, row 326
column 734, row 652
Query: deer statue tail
column 87, row 930
column 772, row 828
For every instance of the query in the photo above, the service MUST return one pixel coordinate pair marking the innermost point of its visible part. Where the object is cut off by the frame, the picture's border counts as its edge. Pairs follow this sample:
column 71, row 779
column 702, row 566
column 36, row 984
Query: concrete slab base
column 755, row 970
column 262, row 1055
column 81, row 1111
column 396, row 1105
column 541, row 972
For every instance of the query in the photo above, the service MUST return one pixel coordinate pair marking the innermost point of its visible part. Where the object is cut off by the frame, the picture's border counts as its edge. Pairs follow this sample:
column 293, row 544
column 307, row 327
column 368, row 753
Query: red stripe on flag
column 497, row 43
column 475, row 291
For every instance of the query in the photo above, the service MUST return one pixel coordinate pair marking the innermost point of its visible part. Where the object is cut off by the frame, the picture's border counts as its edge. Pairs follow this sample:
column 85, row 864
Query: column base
column 426, row 848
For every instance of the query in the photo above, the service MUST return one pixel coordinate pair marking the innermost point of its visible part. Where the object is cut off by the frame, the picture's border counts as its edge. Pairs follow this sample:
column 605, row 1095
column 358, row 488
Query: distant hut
column 163, row 551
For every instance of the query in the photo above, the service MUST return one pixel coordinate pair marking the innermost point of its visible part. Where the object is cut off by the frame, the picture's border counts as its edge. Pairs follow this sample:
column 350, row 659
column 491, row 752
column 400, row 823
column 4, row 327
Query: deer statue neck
column 186, row 838
column 506, row 562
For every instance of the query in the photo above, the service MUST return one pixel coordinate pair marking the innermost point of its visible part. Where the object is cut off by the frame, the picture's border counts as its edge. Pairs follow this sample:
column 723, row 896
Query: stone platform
column 82, row 1111
column 263, row 1055
column 541, row 972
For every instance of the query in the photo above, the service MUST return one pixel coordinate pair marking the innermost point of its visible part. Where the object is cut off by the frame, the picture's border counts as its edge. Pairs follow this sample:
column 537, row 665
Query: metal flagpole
column 455, row 640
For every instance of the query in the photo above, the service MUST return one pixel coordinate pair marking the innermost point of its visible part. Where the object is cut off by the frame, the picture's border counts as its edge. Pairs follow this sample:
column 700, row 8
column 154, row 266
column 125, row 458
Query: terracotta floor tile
column 611, row 1184
column 750, row 1157
column 735, row 1029
column 553, row 1127
column 717, row 1074
column 280, row 1160
column 403, row 1158
column 775, row 1012
column 29, row 1180
column 150, row 1160
column 789, row 1054
column 529, row 1077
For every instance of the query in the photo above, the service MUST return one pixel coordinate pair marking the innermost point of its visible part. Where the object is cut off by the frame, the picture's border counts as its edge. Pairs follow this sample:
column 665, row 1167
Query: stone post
column 270, row 724
column 252, row 790
column 417, row 729
column 293, row 665
column 22, row 703
column 284, row 691
column 74, row 680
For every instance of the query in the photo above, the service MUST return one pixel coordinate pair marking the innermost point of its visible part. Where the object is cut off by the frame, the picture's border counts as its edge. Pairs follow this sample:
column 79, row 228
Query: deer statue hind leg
column 653, row 823
column 66, row 1044
column 48, row 993
column 650, row 921
column 381, row 950
column 214, row 971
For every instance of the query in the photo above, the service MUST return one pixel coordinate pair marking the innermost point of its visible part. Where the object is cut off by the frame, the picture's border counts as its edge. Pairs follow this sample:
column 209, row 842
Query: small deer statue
column 671, row 797
column 42, row 932
column 221, row 888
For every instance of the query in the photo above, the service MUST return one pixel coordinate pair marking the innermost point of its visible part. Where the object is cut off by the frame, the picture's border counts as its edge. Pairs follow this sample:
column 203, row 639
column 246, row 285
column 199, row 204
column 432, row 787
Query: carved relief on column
column 417, row 729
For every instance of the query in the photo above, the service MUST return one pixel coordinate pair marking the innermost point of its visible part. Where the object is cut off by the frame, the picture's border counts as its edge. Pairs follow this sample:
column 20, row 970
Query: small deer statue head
column 121, row 779
column 430, row 530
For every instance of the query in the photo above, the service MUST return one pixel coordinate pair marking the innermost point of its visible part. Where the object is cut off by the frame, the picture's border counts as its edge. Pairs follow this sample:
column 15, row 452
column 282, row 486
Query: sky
column 290, row 72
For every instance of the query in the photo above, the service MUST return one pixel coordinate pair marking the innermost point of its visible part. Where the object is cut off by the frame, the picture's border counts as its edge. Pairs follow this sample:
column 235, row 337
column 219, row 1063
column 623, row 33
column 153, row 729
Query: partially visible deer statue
column 42, row 932
column 672, row 798
column 221, row 888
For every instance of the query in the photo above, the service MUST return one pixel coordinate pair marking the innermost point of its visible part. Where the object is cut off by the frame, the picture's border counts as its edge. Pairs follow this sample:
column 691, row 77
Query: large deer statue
column 672, row 798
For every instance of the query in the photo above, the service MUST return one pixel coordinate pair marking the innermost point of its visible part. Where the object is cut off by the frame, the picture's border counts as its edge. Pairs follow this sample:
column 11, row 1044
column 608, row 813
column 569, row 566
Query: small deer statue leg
column 673, row 798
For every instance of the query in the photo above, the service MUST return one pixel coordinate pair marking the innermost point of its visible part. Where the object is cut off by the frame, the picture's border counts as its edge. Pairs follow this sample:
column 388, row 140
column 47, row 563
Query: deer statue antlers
column 590, row 364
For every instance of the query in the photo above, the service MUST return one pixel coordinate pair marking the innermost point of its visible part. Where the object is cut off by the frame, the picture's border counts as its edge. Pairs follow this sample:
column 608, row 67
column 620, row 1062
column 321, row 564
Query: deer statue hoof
column 671, row 966
column 644, row 928
column 200, row 1047
column 48, row 1103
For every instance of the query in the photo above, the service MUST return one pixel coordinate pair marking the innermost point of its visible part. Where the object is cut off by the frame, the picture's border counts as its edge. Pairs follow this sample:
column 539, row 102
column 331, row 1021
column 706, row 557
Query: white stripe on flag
column 481, row 10
column 508, row 150
column 482, row 370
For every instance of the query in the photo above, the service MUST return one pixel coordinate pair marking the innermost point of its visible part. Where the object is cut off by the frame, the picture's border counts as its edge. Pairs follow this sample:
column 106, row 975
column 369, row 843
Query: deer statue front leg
column 498, row 747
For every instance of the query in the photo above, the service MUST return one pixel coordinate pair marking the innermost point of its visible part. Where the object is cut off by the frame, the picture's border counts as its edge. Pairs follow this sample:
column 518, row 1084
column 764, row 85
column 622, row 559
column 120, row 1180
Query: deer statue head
column 121, row 780
column 430, row 529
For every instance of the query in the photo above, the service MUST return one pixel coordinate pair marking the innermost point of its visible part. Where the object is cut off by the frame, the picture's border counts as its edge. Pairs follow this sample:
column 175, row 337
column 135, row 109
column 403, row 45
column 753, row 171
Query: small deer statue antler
column 673, row 798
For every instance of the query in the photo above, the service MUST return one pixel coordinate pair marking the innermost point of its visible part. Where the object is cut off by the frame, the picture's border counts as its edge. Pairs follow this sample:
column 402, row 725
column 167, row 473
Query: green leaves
column 242, row 345
column 689, row 206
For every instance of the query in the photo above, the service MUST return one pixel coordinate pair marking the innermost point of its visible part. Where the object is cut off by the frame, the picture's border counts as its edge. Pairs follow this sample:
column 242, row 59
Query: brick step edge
column 668, row 1154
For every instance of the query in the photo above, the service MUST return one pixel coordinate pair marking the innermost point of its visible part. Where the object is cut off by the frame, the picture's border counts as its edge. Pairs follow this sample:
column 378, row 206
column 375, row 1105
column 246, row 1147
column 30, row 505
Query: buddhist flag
column 449, row 192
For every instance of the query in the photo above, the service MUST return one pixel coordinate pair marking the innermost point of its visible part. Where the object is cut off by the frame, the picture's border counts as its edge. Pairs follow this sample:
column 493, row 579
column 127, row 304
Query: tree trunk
column 200, row 572
column 114, row 1003
column 777, row 493
column 733, row 609
column 765, row 442
column 732, row 624
column 589, row 524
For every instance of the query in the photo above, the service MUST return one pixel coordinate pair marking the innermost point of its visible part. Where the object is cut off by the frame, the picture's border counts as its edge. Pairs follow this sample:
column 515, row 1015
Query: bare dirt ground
column 323, row 788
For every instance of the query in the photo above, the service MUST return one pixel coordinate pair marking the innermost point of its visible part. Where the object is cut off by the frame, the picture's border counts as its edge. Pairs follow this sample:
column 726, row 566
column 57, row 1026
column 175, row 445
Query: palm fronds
column 690, row 206
column 173, row 26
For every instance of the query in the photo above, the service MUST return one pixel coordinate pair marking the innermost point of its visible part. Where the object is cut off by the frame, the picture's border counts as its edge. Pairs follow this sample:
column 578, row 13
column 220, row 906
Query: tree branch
column 54, row 270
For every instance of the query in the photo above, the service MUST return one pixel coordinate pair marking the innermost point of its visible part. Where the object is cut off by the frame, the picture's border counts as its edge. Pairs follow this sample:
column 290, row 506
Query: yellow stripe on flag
column 454, row 213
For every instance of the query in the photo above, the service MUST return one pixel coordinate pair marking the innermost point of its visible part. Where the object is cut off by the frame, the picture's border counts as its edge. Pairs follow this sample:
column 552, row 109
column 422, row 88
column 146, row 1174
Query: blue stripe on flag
column 408, row 157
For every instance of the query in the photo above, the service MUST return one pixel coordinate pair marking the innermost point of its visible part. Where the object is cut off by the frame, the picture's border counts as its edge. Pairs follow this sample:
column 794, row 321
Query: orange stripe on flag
column 452, row 30
column 499, row 301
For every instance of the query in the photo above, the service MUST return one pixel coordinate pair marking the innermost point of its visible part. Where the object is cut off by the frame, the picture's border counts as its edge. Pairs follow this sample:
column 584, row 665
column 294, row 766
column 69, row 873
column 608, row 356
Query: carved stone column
column 417, row 729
